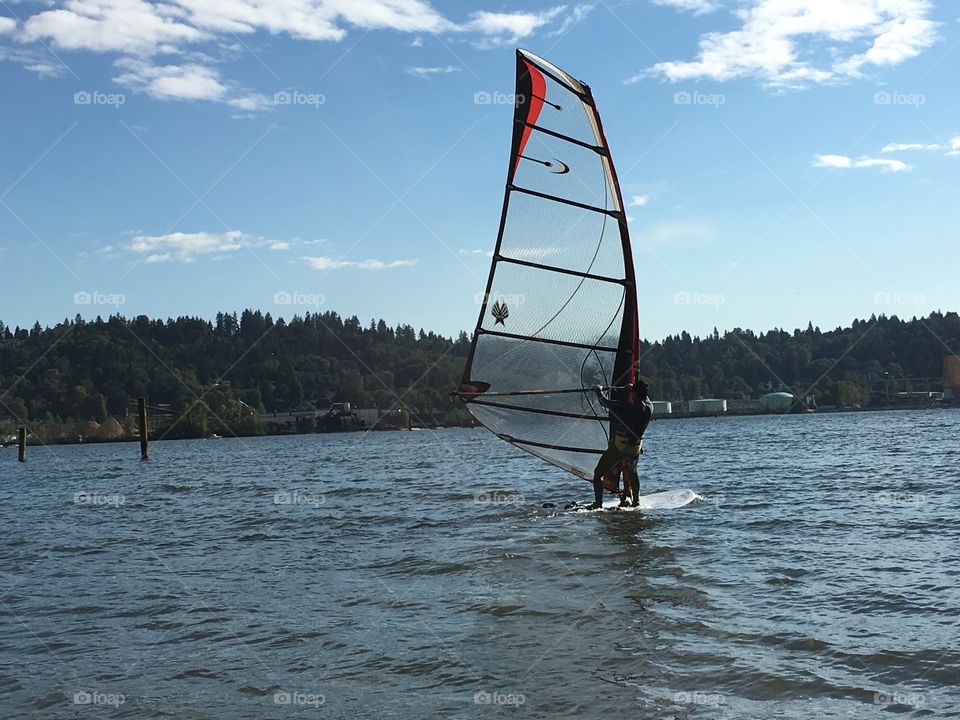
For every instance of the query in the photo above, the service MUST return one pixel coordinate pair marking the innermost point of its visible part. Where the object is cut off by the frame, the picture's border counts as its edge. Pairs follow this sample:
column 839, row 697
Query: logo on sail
column 499, row 312
column 562, row 167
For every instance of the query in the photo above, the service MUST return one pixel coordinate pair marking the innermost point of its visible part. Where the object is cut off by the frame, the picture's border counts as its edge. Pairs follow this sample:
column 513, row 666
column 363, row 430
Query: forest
column 246, row 365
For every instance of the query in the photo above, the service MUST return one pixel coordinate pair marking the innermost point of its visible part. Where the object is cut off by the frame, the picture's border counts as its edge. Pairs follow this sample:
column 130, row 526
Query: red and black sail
column 560, row 310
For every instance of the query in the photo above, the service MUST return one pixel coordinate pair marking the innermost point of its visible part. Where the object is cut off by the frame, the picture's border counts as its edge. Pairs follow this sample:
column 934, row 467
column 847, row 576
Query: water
column 819, row 578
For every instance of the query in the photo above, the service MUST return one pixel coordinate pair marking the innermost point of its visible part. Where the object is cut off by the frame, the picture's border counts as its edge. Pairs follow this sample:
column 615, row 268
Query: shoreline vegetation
column 33, row 440
column 248, row 374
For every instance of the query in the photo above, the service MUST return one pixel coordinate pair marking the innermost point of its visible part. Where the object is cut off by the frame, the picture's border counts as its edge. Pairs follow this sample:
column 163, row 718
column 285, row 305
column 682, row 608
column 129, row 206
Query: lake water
column 415, row 574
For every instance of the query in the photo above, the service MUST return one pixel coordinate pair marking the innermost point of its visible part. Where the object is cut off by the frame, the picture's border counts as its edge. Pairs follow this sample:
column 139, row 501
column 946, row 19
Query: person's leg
column 634, row 480
column 606, row 461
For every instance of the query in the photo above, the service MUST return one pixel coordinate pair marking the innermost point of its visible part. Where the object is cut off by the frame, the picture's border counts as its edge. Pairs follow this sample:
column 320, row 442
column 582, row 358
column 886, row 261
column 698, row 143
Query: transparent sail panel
column 562, row 236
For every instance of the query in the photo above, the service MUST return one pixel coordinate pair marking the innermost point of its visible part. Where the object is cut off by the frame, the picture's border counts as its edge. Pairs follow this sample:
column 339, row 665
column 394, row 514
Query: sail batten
column 560, row 308
column 566, row 271
column 566, row 201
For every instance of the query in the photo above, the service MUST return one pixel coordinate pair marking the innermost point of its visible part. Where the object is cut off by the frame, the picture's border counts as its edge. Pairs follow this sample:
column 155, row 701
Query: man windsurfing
column 630, row 412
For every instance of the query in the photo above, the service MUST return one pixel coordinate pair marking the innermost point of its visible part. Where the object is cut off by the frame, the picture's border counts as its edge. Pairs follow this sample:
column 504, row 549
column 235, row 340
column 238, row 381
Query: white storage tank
column 662, row 407
column 777, row 402
column 707, row 405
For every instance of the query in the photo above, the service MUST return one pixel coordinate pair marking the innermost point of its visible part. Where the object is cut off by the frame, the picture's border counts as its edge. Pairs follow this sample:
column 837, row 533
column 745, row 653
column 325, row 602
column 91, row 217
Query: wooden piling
column 22, row 445
column 144, row 438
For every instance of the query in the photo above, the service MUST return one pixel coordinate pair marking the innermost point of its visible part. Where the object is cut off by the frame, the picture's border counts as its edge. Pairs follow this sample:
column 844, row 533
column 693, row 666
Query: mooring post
column 22, row 445
column 144, row 439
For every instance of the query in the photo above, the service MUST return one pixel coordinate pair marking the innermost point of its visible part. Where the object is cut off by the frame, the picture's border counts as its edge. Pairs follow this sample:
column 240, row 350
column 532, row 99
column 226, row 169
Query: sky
column 782, row 161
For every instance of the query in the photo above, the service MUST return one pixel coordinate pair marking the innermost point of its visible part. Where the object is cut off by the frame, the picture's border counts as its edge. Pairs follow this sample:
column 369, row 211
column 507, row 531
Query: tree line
column 246, row 365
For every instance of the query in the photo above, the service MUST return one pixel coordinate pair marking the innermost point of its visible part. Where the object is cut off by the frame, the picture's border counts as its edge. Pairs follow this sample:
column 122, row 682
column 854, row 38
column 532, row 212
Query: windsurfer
column 629, row 416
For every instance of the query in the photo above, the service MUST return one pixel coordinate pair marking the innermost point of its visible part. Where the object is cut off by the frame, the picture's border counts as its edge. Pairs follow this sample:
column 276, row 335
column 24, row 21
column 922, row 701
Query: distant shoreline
column 672, row 416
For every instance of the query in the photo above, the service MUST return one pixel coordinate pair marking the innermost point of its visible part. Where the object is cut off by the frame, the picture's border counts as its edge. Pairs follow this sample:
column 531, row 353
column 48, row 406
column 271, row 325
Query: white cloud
column 130, row 26
column 187, row 247
column 844, row 162
column 638, row 201
column 137, row 31
column 795, row 43
column 172, row 82
column 697, row 7
column 833, row 161
column 903, row 147
column 576, row 16
column 417, row 42
column 507, row 28
column 184, row 82
column 954, row 146
column 882, row 163
column 329, row 263
column 428, row 72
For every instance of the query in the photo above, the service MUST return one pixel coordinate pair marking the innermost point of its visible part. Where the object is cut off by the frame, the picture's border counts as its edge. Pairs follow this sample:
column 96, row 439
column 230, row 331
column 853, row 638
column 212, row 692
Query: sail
column 559, row 314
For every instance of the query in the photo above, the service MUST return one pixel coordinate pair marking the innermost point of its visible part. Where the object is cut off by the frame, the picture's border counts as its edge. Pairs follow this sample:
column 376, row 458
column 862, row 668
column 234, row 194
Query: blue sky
column 784, row 161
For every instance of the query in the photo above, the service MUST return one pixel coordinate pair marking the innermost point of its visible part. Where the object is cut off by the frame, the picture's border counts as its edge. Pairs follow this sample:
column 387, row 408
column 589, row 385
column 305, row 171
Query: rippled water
column 358, row 576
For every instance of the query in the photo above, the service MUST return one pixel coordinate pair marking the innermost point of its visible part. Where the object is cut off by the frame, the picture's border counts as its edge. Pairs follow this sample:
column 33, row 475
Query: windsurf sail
column 559, row 314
